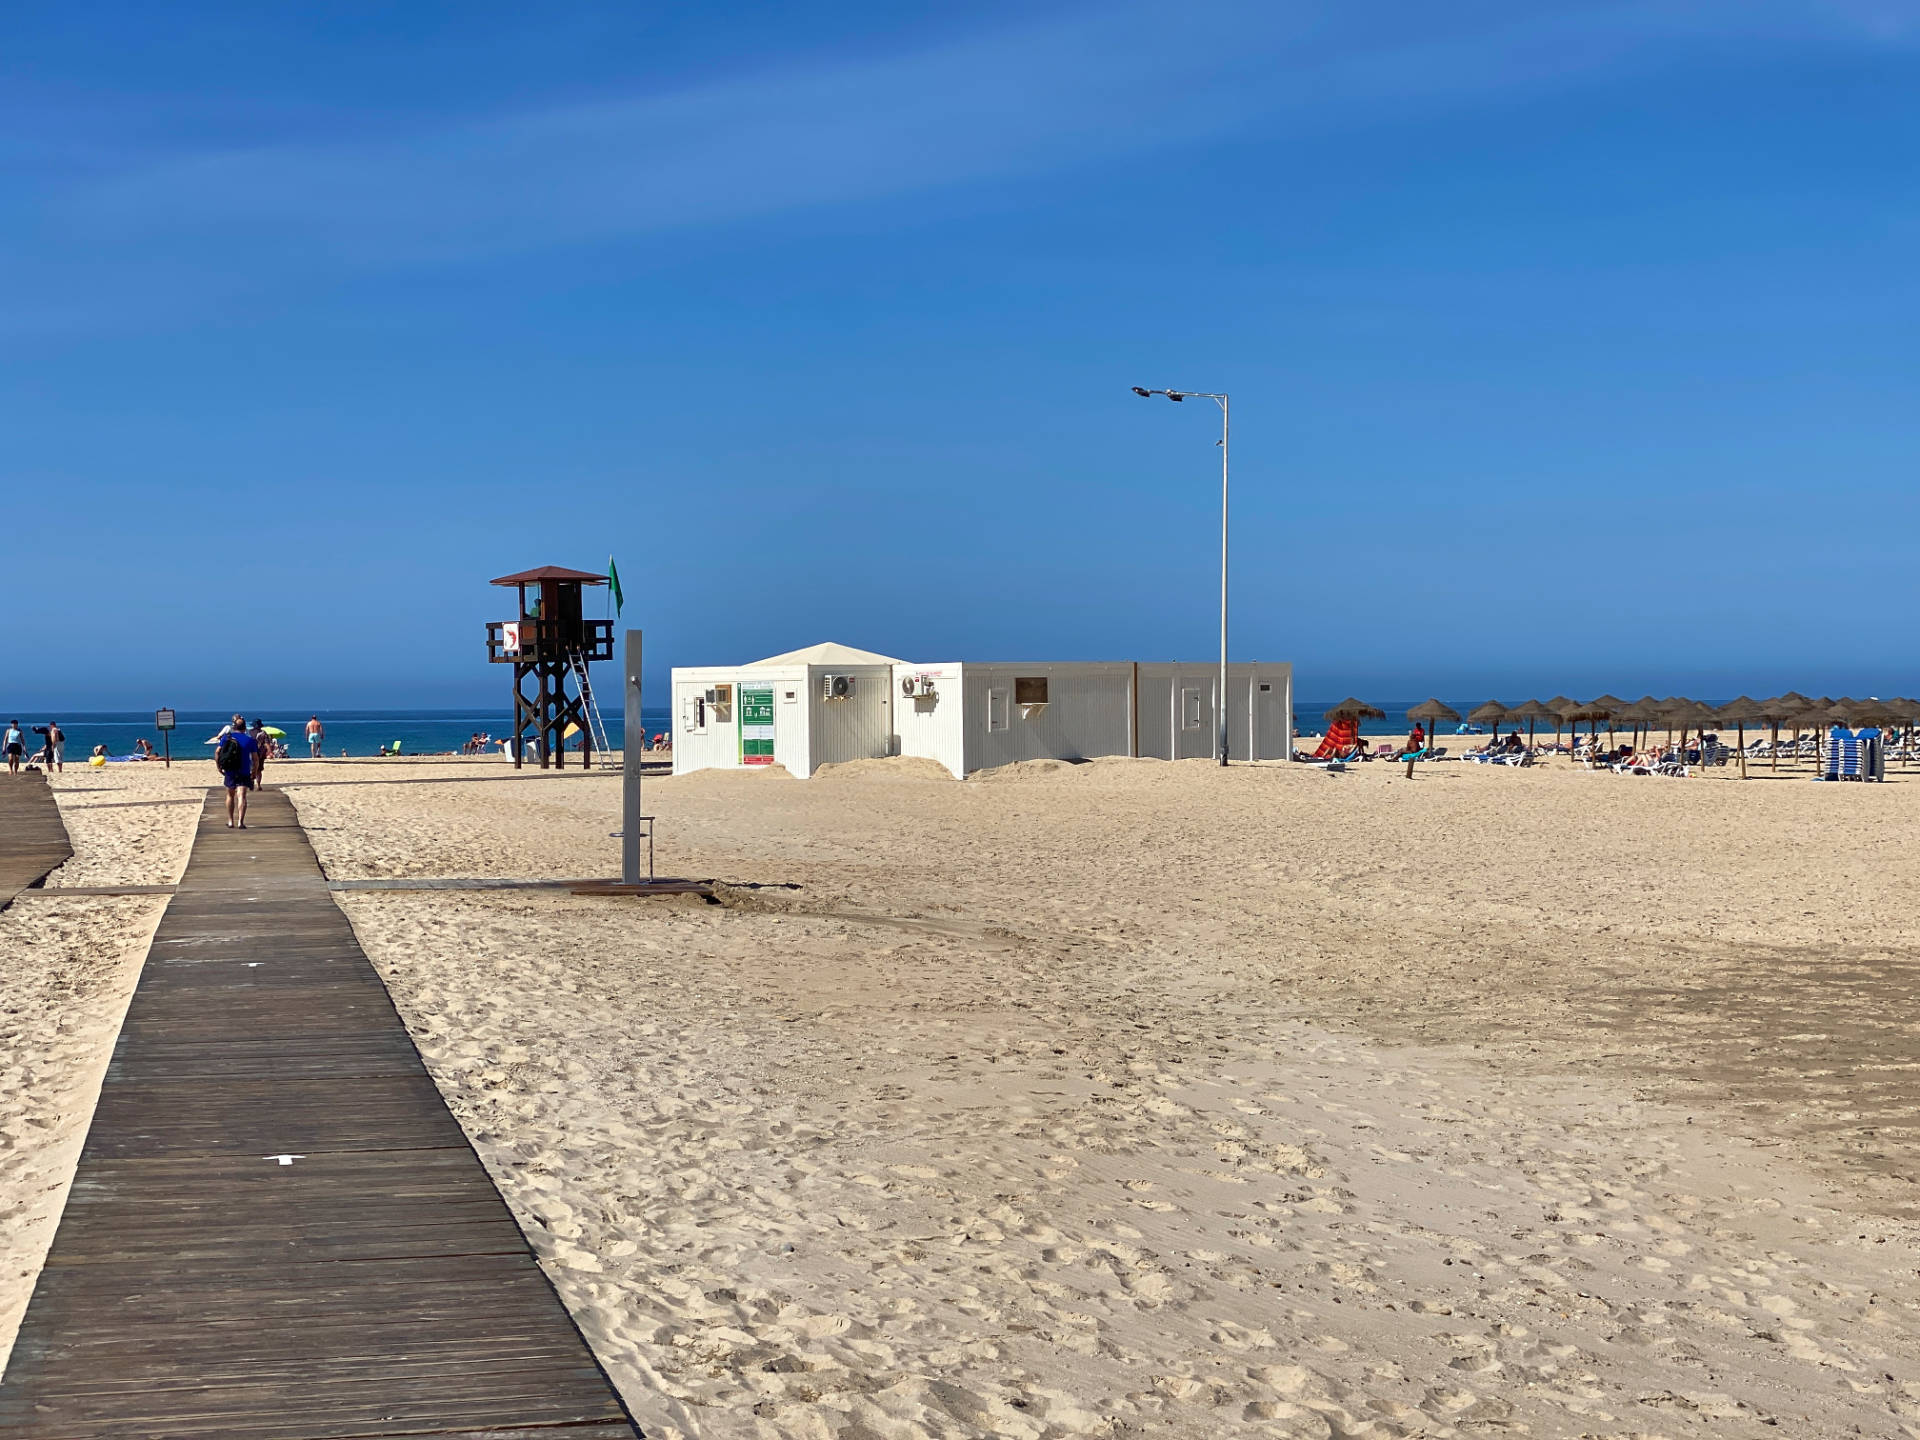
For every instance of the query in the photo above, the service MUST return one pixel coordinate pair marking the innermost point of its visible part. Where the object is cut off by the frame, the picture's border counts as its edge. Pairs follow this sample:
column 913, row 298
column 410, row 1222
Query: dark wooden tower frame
column 553, row 633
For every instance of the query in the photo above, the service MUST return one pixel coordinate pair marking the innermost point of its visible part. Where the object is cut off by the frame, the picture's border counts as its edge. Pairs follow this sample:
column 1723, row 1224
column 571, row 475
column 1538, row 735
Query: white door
column 996, row 710
column 1193, row 718
column 1271, row 737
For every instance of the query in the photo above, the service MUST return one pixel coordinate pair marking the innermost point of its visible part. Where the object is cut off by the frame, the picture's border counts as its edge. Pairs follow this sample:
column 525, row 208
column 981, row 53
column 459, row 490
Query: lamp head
column 1142, row 393
column 1176, row 395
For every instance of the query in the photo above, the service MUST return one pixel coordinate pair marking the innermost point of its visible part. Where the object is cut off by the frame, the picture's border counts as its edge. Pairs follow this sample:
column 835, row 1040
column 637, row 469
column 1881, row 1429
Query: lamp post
column 1220, row 704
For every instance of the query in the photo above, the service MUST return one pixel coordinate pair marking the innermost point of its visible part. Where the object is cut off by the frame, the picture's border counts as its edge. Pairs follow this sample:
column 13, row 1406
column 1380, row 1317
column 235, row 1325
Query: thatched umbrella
column 1492, row 711
column 1816, row 717
column 1530, row 711
column 1774, row 713
column 1433, row 711
column 1590, row 713
column 1638, row 714
column 1705, row 717
column 1612, row 704
column 1558, row 705
column 1355, row 709
column 1741, row 710
column 1867, row 712
column 1673, row 709
column 1603, row 707
column 1904, row 710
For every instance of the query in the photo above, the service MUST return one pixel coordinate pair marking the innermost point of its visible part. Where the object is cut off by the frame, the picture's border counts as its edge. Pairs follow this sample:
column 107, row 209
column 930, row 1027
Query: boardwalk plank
column 33, row 837
column 377, row 1285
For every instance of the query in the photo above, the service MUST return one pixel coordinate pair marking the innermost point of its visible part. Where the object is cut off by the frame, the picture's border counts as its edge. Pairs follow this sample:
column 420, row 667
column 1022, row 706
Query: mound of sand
column 1026, row 770
column 893, row 767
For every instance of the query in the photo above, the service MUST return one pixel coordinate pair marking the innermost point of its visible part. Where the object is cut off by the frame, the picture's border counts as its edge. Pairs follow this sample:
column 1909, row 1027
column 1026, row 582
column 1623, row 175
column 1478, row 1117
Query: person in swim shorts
column 234, row 755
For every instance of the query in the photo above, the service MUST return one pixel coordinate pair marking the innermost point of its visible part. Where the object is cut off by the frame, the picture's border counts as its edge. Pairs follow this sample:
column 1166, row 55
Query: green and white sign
column 756, row 726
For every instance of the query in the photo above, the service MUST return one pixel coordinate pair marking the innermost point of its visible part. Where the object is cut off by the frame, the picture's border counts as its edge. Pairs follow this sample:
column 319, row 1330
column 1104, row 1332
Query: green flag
column 613, row 580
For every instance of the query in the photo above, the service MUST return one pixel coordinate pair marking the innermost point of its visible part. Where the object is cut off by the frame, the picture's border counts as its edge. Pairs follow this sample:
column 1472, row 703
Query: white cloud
column 1019, row 101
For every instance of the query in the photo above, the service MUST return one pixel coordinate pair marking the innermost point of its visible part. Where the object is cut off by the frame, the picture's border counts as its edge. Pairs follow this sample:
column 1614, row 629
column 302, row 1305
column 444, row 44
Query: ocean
column 427, row 732
column 1310, row 717
column 352, row 732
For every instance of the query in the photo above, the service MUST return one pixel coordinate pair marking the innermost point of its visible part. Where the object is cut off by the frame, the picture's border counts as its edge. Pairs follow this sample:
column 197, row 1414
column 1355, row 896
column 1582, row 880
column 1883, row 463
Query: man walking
column 233, row 756
column 316, row 735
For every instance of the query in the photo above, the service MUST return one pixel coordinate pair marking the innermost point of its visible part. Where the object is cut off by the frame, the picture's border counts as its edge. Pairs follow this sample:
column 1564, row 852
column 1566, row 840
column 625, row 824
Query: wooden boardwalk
column 33, row 838
column 277, row 1229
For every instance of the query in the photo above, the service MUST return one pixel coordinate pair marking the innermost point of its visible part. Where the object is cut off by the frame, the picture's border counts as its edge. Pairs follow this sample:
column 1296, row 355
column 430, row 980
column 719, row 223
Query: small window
column 996, row 709
column 789, row 696
column 1265, row 689
column 1030, row 690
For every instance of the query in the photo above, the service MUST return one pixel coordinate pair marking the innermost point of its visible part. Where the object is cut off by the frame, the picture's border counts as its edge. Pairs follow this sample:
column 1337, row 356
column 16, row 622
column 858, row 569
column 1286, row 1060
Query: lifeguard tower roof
column 828, row 653
column 550, row 572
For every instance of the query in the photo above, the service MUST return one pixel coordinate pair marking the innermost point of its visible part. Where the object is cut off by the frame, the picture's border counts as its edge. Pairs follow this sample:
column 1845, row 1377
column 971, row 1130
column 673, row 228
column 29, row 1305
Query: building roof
column 550, row 572
column 827, row 653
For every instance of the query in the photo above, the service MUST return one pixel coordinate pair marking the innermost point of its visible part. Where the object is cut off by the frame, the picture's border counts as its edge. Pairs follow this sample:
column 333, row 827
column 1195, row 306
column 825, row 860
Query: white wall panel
column 857, row 728
column 933, row 728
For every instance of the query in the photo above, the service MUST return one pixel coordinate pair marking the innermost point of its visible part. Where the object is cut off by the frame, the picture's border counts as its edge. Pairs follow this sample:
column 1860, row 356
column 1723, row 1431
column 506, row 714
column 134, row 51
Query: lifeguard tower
column 551, row 643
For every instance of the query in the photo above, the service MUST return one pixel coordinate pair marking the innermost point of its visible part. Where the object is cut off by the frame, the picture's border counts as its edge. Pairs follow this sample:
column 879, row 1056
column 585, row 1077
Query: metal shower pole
column 633, row 745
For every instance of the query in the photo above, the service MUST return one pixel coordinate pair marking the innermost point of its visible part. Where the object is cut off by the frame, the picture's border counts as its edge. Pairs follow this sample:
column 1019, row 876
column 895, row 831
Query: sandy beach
column 1127, row 1098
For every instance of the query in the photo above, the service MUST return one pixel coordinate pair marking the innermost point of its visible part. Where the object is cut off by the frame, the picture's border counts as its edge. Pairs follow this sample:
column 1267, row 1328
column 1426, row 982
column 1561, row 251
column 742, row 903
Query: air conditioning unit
column 836, row 687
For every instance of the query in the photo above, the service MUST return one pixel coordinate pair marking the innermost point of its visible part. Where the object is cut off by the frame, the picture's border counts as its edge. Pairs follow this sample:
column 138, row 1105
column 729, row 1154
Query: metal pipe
column 633, row 748
column 1222, row 736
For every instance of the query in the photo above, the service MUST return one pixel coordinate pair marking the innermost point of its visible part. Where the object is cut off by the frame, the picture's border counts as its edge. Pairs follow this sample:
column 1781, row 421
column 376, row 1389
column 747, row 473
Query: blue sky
column 1571, row 345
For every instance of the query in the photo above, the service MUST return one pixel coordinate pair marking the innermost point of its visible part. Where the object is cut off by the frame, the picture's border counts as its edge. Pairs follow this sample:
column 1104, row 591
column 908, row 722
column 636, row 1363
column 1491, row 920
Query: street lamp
column 1220, row 704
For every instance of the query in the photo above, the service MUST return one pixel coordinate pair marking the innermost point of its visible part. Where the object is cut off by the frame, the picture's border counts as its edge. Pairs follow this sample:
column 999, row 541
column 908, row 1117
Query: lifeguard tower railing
column 550, row 641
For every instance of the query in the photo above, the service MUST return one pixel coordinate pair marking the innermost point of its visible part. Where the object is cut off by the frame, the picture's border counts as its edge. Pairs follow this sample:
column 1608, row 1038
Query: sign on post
column 163, row 722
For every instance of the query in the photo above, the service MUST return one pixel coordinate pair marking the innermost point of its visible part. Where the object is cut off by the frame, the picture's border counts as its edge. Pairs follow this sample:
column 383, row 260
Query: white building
column 830, row 703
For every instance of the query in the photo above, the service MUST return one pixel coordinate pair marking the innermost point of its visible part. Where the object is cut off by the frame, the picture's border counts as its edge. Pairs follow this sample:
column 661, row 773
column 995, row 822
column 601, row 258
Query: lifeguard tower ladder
column 551, row 644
